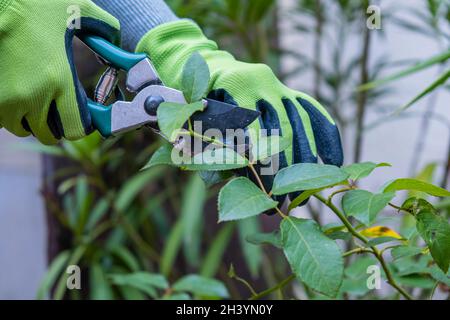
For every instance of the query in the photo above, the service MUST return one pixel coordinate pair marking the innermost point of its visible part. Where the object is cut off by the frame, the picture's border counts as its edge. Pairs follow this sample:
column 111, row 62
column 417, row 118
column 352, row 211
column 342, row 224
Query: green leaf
column 361, row 170
column 355, row 280
column 211, row 178
column 221, row 159
column 380, row 240
column 170, row 251
column 314, row 258
column 272, row 238
column 265, row 147
column 125, row 255
column 144, row 281
column 38, row 147
column 54, row 270
column 240, row 198
column 214, row 256
column 173, row 116
column 418, row 67
column 426, row 174
column 100, row 287
column 302, row 197
column 405, row 251
column 436, row 84
column 133, row 187
column 307, row 176
column 415, row 281
column 416, row 185
column 435, row 231
column 162, row 156
column 177, row 296
column 252, row 254
column 97, row 213
column 201, row 286
column 440, row 276
column 216, row 160
column 195, row 78
column 194, row 197
column 364, row 205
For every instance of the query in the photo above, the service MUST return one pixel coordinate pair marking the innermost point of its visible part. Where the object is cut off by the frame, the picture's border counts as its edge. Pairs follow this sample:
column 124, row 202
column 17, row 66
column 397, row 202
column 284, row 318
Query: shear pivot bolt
column 152, row 103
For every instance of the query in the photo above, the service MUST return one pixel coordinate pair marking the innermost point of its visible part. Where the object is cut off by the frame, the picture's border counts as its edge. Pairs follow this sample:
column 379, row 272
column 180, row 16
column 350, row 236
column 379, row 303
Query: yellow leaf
column 379, row 231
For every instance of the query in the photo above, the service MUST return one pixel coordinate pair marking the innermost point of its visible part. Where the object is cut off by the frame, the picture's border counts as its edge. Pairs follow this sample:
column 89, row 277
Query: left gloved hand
column 40, row 92
column 300, row 118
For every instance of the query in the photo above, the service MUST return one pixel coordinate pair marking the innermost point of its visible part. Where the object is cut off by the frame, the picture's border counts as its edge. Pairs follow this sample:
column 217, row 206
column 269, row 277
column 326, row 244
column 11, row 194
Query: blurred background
column 85, row 202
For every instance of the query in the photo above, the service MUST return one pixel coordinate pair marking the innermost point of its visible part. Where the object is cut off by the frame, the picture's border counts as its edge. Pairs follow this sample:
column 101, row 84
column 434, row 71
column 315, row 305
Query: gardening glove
column 300, row 119
column 40, row 92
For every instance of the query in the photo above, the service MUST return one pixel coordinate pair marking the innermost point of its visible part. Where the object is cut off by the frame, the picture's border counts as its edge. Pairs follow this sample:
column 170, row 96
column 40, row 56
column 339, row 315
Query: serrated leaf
column 272, row 238
column 162, row 156
column 201, row 286
column 314, row 258
column 440, row 276
column 195, row 78
column 210, row 160
column 358, row 171
column 416, row 185
column 364, row 205
column 405, row 251
column 435, row 231
column 173, row 116
column 307, row 176
column 380, row 231
column 240, row 198
column 211, row 178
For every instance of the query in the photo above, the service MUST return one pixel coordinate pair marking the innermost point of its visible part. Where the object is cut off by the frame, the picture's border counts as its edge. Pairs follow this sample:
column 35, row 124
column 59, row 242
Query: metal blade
column 222, row 116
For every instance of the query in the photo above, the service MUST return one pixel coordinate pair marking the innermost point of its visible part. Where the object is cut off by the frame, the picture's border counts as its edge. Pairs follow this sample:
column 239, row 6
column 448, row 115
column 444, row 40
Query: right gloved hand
column 40, row 93
column 300, row 119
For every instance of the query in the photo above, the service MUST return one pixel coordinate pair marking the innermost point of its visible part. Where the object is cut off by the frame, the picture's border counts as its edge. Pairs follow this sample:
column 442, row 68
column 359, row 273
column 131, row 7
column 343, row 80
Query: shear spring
column 106, row 85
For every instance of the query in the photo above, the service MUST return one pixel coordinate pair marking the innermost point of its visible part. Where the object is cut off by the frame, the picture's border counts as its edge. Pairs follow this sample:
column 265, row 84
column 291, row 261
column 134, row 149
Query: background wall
column 22, row 221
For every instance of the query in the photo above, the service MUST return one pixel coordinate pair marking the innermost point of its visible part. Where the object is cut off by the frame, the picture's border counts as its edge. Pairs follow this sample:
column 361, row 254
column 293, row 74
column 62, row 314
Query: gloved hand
column 300, row 118
column 39, row 89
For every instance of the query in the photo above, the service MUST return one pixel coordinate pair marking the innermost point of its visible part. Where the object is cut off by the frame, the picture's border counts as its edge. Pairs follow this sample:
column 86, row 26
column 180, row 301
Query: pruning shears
column 143, row 80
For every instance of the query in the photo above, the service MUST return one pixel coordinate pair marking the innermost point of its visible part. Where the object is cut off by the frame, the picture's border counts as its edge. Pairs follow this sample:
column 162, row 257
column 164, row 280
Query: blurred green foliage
column 154, row 234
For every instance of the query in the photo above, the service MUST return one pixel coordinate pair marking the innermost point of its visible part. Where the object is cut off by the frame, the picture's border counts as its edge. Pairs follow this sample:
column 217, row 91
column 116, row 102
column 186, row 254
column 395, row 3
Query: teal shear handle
column 117, row 57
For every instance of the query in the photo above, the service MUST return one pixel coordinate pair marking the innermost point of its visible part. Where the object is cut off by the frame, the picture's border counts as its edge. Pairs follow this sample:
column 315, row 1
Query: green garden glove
column 299, row 118
column 40, row 93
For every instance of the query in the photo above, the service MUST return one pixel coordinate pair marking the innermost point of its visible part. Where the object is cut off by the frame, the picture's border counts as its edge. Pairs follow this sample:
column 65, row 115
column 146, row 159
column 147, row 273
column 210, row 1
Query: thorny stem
column 373, row 250
column 274, row 288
